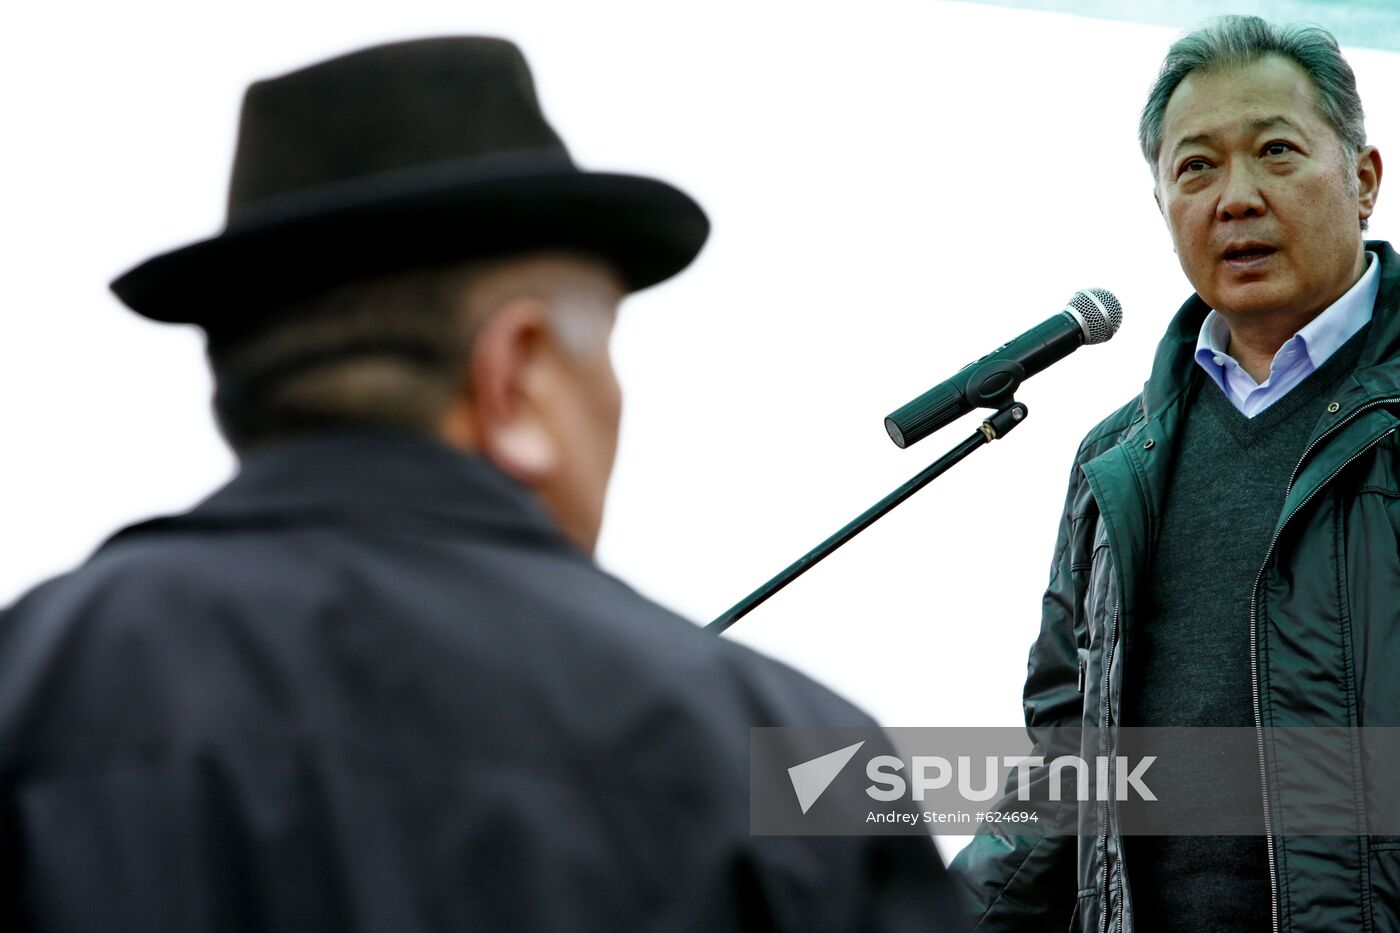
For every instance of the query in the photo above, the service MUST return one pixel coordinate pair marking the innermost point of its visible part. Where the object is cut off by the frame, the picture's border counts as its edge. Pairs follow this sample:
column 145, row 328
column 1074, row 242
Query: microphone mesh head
column 1098, row 312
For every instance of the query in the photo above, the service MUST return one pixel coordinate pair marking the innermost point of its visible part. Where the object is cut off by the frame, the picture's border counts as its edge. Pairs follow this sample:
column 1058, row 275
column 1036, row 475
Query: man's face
column 1263, row 206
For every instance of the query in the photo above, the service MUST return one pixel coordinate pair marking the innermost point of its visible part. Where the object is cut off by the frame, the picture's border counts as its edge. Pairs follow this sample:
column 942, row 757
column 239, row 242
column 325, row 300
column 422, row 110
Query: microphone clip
column 991, row 385
column 1000, row 424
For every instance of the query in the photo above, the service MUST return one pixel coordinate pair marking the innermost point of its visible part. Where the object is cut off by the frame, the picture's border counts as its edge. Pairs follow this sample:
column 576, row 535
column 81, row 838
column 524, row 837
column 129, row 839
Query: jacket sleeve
column 1027, row 882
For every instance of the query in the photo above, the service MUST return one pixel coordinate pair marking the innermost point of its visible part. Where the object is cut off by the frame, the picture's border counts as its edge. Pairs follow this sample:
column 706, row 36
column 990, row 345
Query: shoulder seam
column 1115, row 423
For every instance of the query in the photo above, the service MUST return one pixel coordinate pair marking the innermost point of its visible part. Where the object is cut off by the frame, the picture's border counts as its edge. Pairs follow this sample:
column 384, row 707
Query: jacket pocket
column 1385, row 885
column 1085, row 918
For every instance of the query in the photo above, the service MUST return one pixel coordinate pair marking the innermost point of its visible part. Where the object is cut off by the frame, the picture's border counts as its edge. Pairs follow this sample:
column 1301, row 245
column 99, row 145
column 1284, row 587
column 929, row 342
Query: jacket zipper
column 1254, row 628
column 1104, row 749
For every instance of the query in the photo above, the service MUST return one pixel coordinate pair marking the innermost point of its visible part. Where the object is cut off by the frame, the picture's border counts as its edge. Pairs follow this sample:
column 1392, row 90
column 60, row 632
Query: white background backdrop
column 895, row 188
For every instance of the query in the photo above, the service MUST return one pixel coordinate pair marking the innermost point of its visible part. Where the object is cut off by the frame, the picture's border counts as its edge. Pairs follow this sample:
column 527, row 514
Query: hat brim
column 647, row 229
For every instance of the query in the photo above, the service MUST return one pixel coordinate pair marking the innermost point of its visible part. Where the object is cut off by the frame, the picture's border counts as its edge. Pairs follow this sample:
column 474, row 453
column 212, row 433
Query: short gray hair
column 389, row 350
column 1236, row 41
column 386, row 350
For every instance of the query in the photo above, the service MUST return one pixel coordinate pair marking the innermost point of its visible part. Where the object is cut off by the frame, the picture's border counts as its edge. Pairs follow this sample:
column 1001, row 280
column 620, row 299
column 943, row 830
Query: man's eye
column 1277, row 148
column 1194, row 165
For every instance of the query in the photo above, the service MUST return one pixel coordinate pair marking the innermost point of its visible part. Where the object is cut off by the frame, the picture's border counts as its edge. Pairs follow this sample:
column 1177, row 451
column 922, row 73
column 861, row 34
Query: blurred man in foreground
column 1227, row 558
column 376, row 682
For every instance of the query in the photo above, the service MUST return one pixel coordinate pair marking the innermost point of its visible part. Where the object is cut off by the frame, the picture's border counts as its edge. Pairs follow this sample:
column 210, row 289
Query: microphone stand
column 997, row 426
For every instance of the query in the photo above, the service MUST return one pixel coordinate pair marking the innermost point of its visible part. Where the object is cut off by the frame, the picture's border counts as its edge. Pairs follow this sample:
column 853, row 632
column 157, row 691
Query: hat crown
column 389, row 108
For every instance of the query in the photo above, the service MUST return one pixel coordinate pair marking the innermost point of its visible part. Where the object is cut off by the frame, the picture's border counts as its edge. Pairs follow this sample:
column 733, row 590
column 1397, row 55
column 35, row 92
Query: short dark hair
column 1235, row 41
column 388, row 350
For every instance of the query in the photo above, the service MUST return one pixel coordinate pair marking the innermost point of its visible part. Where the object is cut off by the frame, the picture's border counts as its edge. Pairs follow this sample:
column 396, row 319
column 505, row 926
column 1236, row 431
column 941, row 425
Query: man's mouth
column 1248, row 257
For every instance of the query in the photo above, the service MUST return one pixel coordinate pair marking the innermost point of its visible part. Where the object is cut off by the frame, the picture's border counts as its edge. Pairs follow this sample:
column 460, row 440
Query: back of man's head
column 380, row 351
column 506, row 357
column 410, row 245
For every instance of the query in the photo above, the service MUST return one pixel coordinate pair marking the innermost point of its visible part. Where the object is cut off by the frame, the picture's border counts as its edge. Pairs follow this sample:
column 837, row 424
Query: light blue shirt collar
column 1299, row 356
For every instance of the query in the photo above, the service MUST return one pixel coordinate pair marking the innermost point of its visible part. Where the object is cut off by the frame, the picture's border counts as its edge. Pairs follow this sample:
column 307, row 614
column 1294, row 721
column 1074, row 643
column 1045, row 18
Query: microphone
column 1091, row 316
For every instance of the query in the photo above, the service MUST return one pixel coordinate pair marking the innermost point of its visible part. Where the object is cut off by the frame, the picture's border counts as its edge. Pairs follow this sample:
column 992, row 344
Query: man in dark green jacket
column 1228, row 552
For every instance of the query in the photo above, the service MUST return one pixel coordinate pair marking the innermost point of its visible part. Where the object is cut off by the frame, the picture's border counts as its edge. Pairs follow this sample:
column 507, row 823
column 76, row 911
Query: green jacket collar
column 1377, row 371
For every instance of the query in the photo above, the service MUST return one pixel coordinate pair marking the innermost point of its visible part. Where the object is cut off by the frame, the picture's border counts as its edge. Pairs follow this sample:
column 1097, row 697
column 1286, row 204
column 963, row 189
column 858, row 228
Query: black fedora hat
column 411, row 153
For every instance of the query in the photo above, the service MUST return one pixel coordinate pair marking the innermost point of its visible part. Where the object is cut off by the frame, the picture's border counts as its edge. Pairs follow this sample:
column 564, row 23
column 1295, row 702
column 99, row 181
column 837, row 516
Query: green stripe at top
column 1367, row 23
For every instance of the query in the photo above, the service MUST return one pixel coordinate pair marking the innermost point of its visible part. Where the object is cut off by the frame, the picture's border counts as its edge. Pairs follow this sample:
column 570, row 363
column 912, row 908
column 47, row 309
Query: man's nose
column 1241, row 196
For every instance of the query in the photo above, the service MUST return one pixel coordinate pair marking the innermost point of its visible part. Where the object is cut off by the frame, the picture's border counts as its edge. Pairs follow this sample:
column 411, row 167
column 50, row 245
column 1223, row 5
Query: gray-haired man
column 1227, row 555
column 376, row 682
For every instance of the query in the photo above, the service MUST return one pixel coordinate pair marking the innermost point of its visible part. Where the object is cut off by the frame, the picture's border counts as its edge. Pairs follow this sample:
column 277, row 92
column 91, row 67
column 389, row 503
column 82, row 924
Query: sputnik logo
column 811, row 778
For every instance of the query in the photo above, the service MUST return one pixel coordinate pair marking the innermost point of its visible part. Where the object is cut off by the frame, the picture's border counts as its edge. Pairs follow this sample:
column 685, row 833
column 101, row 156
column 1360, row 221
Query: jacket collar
column 369, row 476
column 1377, row 370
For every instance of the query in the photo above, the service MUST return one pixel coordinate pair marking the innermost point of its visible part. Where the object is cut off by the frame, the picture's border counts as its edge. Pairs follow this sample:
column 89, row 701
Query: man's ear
column 510, row 360
column 1368, row 177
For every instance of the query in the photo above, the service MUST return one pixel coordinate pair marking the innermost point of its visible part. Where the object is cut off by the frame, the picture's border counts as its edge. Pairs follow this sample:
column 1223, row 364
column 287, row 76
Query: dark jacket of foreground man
column 1325, row 640
column 366, row 686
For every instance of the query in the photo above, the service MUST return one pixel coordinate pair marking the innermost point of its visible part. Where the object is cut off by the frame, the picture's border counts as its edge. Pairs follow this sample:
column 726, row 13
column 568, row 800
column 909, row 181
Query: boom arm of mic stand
column 997, row 426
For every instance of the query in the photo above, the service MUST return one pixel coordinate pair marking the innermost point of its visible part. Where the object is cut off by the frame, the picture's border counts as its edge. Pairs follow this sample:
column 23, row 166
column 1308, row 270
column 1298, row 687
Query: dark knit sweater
column 1187, row 657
